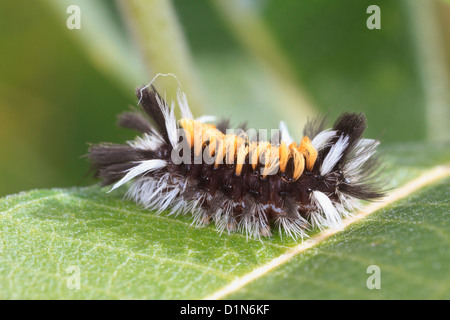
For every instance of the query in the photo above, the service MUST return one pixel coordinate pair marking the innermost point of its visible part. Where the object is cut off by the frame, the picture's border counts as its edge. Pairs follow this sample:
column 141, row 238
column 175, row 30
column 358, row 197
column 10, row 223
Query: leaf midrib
column 428, row 177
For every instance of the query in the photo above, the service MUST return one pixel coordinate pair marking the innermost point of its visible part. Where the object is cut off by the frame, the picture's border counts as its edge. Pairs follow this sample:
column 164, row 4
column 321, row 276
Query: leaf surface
column 124, row 252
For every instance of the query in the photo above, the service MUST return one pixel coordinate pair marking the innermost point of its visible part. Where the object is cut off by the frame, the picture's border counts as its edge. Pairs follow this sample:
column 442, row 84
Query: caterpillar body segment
column 235, row 180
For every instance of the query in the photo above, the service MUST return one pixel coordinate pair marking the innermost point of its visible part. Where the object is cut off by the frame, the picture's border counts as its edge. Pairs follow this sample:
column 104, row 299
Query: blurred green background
column 256, row 61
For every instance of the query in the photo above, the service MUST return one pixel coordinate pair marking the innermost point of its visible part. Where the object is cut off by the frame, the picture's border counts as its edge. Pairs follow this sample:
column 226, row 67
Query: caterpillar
column 238, row 180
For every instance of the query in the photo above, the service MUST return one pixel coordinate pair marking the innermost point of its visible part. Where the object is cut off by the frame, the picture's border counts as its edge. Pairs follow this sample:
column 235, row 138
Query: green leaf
column 49, row 237
column 407, row 241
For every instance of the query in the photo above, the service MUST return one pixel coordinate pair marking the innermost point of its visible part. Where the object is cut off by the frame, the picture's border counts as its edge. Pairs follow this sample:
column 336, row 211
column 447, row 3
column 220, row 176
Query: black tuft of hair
column 223, row 125
column 149, row 101
column 134, row 121
column 110, row 161
column 353, row 126
column 314, row 126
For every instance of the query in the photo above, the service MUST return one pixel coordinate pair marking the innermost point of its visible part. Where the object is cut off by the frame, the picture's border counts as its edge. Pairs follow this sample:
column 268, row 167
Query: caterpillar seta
column 235, row 179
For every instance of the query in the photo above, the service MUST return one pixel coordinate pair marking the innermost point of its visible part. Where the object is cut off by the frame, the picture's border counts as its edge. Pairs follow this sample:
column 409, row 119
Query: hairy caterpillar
column 236, row 180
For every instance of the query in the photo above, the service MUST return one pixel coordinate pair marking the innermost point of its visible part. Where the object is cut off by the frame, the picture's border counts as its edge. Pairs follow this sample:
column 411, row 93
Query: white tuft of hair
column 334, row 155
column 332, row 218
column 322, row 140
column 284, row 132
column 183, row 105
column 141, row 168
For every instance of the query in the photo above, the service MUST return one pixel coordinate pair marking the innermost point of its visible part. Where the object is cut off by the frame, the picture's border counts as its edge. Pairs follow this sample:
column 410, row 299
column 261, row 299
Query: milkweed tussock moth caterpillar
column 236, row 180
